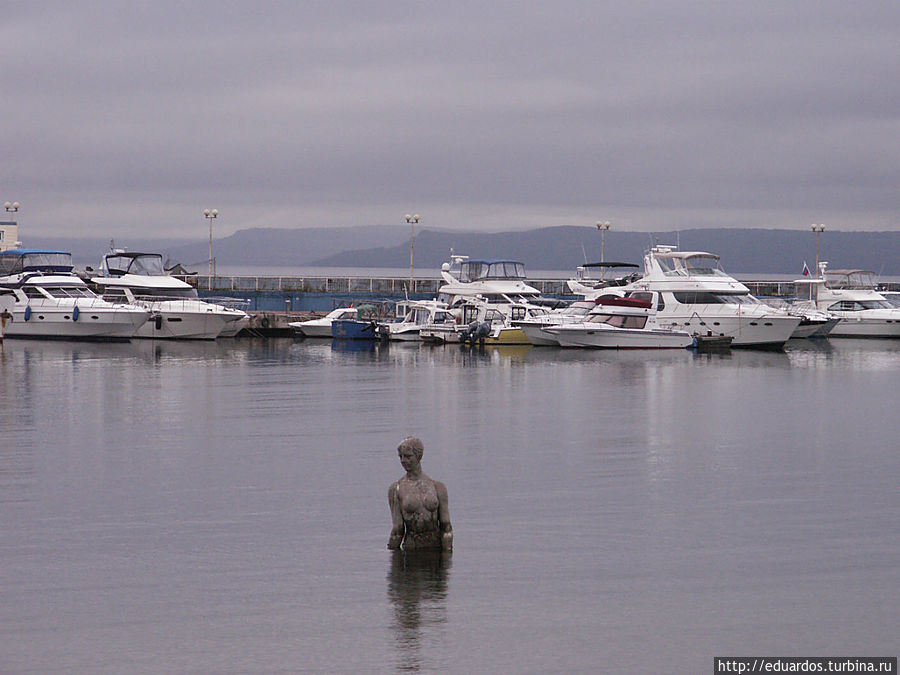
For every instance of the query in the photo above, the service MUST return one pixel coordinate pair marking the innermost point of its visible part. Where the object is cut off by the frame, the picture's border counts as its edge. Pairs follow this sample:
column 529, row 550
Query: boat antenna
column 583, row 252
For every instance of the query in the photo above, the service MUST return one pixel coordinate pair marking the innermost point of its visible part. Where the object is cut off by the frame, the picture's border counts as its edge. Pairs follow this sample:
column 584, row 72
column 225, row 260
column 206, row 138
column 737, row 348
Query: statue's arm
column 397, row 528
column 444, row 517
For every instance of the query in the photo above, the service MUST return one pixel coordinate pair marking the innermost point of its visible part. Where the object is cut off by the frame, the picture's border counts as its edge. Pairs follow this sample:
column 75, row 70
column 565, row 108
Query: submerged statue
column 420, row 512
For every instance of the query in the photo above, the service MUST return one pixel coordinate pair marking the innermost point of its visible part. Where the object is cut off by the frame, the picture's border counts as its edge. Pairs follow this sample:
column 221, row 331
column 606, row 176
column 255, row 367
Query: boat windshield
column 476, row 270
column 893, row 299
column 145, row 264
column 856, row 279
column 16, row 262
column 696, row 265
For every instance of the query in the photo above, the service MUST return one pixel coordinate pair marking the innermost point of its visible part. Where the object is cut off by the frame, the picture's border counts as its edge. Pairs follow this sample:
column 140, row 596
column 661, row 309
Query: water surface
column 222, row 507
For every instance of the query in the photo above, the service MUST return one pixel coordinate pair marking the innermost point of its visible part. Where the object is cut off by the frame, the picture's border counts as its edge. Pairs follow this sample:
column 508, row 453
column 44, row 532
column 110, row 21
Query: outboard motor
column 477, row 331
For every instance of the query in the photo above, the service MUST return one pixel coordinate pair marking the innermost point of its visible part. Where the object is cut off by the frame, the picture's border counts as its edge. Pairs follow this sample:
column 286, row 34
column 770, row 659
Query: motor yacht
column 694, row 294
column 321, row 327
column 593, row 276
column 50, row 301
column 850, row 294
column 498, row 282
column 621, row 323
column 177, row 312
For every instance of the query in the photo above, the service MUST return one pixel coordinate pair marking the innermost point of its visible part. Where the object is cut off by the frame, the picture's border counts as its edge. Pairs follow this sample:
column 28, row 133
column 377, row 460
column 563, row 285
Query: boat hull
column 863, row 327
column 620, row 338
column 92, row 321
column 351, row 329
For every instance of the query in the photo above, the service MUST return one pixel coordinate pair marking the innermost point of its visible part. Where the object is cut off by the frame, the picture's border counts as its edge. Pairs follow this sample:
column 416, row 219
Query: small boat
column 620, row 323
column 321, row 327
column 591, row 277
column 44, row 298
column 534, row 327
column 177, row 312
column 477, row 319
column 366, row 325
column 412, row 315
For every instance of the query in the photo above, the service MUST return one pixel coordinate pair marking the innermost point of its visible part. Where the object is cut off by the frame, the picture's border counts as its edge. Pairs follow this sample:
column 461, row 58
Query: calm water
column 222, row 507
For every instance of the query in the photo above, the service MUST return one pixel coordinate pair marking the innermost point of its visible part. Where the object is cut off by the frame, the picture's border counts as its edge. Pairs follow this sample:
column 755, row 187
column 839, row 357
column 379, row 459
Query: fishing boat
column 48, row 300
column 621, row 323
column 366, row 325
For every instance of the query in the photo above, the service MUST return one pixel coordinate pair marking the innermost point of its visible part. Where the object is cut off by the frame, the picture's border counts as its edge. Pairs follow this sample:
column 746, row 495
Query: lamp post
column 603, row 226
column 412, row 220
column 210, row 215
column 818, row 229
column 11, row 208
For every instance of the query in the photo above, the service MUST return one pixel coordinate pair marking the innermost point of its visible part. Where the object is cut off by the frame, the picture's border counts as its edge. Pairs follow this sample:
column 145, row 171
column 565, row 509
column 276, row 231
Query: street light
column 210, row 216
column 818, row 229
column 412, row 220
column 603, row 226
column 11, row 208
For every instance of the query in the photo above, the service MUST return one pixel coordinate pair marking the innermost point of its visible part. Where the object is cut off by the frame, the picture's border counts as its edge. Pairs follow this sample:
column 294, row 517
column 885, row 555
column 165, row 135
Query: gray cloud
column 130, row 118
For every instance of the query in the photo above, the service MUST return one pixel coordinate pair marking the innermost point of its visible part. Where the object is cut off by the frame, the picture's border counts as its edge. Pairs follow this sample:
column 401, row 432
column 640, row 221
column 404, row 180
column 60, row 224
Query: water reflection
column 417, row 589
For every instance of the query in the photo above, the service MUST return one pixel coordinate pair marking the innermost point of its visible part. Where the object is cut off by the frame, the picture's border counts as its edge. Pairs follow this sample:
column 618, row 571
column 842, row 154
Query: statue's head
column 412, row 444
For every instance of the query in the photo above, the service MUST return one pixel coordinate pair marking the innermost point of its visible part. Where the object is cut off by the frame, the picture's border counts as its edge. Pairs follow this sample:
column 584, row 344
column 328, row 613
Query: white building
column 9, row 235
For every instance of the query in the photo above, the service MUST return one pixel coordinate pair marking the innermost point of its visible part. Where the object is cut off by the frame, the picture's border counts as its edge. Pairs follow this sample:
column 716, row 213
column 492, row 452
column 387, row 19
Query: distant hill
column 563, row 248
column 743, row 251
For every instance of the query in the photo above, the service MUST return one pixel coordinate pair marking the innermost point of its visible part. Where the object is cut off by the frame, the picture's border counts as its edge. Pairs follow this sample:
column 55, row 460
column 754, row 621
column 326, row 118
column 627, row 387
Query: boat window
column 68, row 292
column 33, row 292
column 115, row 295
column 707, row 298
column 703, row 265
column 620, row 320
column 165, row 293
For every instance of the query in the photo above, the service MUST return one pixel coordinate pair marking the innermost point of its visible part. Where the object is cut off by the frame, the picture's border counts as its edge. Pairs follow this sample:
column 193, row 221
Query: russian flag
column 805, row 269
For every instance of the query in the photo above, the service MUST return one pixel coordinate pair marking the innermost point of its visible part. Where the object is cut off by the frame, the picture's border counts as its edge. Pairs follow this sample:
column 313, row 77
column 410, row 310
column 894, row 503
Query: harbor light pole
column 818, row 229
column 412, row 220
column 11, row 208
column 603, row 226
column 211, row 215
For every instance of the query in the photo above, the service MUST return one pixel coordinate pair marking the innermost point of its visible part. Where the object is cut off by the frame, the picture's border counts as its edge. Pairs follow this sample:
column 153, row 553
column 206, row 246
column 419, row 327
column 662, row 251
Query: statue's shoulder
column 440, row 488
column 393, row 489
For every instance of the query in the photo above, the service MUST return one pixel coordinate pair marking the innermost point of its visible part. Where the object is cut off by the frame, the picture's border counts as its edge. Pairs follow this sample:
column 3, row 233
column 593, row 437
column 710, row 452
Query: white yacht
column 499, row 282
column 176, row 310
column 851, row 295
column 321, row 327
column 50, row 301
column 621, row 323
column 694, row 294
column 535, row 327
column 593, row 276
column 412, row 315
column 494, row 323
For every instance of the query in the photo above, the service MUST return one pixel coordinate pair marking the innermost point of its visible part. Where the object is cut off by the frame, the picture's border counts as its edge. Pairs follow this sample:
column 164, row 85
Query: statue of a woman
column 420, row 512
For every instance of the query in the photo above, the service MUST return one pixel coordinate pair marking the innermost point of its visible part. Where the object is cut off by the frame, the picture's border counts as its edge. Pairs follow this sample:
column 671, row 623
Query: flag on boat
column 805, row 269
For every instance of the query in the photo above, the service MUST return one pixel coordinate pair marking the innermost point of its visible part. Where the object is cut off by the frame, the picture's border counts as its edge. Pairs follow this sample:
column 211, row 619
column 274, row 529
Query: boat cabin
column 481, row 270
column 606, row 273
column 687, row 263
column 118, row 263
column 850, row 279
column 21, row 260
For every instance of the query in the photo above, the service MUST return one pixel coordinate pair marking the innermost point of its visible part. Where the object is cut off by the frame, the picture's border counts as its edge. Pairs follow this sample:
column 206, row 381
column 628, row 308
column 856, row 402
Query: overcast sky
column 129, row 118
